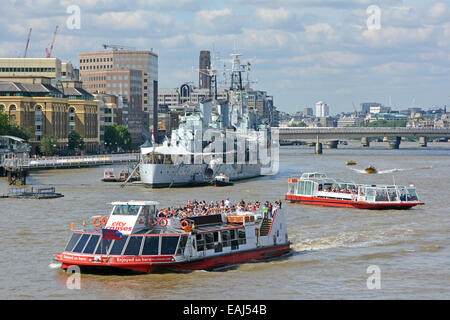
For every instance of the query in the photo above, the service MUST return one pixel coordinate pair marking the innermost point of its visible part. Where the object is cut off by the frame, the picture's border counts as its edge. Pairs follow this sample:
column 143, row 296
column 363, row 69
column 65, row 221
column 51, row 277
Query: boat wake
column 390, row 170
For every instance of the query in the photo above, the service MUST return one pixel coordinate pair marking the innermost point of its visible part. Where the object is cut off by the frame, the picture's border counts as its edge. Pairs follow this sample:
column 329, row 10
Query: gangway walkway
column 68, row 162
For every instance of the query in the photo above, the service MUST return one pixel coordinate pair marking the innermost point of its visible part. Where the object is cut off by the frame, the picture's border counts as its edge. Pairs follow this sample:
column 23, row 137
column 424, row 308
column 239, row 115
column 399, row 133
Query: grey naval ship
column 216, row 138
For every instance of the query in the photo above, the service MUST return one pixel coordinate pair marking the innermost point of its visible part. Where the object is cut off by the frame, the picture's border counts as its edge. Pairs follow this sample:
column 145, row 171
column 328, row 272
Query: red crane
column 28, row 42
column 49, row 51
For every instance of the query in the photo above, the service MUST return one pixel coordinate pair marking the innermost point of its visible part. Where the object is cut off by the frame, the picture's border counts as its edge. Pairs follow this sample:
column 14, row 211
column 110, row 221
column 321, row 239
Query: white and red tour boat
column 317, row 189
column 139, row 238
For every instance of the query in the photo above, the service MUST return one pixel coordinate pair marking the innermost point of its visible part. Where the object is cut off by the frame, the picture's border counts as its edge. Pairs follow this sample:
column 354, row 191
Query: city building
column 109, row 113
column 95, row 67
column 42, row 110
column 204, row 79
column 53, row 68
column 379, row 109
column 349, row 120
column 365, row 106
column 308, row 112
column 322, row 110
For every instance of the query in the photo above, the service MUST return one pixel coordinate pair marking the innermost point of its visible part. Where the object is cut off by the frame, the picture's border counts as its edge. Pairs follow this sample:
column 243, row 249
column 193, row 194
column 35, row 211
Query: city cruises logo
column 242, row 149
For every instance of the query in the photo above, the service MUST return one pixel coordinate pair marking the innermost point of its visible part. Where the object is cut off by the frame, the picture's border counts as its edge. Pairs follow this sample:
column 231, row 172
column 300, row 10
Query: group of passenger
column 202, row 208
column 339, row 190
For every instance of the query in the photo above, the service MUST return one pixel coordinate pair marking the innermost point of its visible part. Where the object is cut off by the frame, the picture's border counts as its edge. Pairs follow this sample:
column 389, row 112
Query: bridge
column 332, row 135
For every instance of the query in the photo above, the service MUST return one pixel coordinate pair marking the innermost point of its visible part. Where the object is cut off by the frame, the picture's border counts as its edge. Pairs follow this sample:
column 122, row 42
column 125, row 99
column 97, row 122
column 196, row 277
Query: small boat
column 136, row 238
column 222, row 180
column 317, row 189
column 371, row 169
column 108, row 176
column 351, row 163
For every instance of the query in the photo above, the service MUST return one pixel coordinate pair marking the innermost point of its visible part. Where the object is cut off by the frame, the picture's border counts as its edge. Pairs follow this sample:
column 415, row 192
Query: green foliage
column 8, row 127
column 385, row 123
column 117, row 137
column 49, row 145
column 298, row 124
column 75, row 141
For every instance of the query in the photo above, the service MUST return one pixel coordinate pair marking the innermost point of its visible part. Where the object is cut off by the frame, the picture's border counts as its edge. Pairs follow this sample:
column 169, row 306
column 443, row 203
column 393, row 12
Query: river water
column 332, row 247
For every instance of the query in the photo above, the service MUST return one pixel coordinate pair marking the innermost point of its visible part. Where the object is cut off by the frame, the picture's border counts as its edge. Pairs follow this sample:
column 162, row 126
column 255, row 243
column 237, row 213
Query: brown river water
column 332, row 247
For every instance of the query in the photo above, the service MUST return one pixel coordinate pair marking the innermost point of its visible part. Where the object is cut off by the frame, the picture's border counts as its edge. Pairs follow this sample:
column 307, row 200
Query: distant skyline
column 301, row 51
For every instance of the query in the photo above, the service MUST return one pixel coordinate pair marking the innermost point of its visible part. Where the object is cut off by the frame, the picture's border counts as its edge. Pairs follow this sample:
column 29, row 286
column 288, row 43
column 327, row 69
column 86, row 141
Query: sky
column 343, row 52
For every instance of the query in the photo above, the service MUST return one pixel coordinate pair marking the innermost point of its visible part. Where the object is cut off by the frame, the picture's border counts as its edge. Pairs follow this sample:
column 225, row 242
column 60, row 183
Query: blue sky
column 302, row 51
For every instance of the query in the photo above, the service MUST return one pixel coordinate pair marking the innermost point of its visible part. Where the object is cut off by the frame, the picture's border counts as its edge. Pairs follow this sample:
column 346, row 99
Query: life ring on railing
column 184, row 224
column 163, row 222
column 97, row 222
column 104, row 220
column 153, row 221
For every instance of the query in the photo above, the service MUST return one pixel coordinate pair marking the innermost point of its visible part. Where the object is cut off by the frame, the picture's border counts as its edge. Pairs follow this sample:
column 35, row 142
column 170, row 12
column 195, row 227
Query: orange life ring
column 184, row 225
column 153, row 221
column 163, row 222
column 97, row 222
column 104, row 220
column 187, row 228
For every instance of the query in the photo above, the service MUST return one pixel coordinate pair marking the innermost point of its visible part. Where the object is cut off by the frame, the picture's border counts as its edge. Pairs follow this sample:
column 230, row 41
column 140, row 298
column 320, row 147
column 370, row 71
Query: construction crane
column 49, row 51
column 28, row 42
column 116, row 47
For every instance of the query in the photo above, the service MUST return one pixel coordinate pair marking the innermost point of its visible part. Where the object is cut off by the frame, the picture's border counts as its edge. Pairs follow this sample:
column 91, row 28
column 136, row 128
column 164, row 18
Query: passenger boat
column 371, row 169
column 108, row 176
column 222, row 180
column 133, row 238
column 318, row 189
column 351, row 163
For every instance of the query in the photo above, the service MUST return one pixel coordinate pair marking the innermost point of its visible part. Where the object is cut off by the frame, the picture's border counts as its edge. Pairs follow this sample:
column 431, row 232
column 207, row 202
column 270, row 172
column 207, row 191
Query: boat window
column 200, row 242
column 218, row 247
column 182, row 245
column 103, row 246
column 118, row 246
column 233, row 234
column 73, row 240
column 209, row 240
column 412, row 195
column 241, row 236
column 151, row 246
column 234, row 244
column 80, row 245
column 226, row 238
column 370, row 194
column 133, row 246
column 169, row 244
column 90, row 247
column 381, row 195
column 126, row 210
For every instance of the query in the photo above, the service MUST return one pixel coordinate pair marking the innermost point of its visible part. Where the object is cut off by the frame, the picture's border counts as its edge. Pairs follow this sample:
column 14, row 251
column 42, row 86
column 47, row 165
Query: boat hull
column 151, row 264
column 351, row 203
column 169, row 175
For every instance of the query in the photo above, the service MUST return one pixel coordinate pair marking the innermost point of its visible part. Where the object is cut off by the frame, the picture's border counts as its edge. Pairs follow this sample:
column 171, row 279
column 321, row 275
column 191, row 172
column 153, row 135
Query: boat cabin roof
column 135, row 203
column 314, row 175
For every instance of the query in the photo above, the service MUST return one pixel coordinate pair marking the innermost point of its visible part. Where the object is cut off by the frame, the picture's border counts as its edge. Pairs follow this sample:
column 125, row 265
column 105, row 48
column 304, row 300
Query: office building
column 322, row 110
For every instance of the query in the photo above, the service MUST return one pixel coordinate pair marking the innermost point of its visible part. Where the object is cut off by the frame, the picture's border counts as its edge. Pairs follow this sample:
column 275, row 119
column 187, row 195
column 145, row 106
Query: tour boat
column 318, row 189
column 133, row 238
column 222, row 180
column 108, row 176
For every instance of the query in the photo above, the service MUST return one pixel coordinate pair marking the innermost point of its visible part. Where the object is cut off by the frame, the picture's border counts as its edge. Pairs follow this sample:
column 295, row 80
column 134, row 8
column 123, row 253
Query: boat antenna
column 393, row 179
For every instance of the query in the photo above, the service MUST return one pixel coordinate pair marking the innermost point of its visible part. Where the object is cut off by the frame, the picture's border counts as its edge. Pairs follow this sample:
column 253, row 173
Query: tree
column 8, row 127
column 49, row 145
column 117, row 137
column 75, row 141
